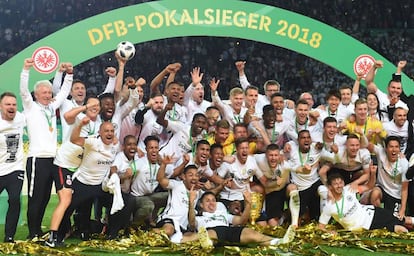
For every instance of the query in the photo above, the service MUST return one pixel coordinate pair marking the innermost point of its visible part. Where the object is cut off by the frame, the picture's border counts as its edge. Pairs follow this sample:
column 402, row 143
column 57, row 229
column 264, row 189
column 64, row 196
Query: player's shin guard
column 294, row 205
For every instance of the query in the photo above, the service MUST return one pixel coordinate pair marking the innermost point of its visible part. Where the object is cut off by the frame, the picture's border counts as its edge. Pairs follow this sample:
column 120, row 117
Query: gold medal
column 50, row 128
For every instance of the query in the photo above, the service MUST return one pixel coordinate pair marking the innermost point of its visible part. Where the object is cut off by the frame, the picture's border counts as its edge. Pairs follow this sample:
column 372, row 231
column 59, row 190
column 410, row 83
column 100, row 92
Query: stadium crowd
column 189, row 159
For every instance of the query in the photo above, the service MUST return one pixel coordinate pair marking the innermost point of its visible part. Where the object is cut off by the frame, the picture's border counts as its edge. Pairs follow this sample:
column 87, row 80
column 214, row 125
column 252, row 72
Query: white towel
column 113, row 186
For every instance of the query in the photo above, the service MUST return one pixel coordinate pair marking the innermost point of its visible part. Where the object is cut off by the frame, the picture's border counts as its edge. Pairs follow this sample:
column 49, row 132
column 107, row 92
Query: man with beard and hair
column 174, row 219
column 388, row 102
column 241, row 172
column 185, row 137
column 124, row 166
column 147, row 119
column 345, row 208
column 194, row 95
column 304, row 160
column 278, row 187
column 112, row 111
column 12, row 123
column 271, row 131
column 146, row 196
column 200, row 158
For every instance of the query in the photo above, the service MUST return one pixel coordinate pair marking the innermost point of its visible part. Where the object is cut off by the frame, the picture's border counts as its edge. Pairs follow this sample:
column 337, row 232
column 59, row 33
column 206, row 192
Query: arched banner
column 175, row 18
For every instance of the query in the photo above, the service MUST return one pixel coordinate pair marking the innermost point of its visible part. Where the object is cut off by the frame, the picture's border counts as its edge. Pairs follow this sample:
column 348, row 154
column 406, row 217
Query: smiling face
column 333, row 103
column 198, row 125
column 251, row 97
column 372, row 102
column 43, row 93
column 198, row 93
column 107, row 108
column 93, row 112
column 304, row 141
column 216, row 157
column 394, row 89
column 191, row 178
column 302, row 111
column 361, row 111
column 337, row 187
column 237, row 101
column 158, row 104
column 352, row 147
column 152, row 147
column 393, row 150
column 273, row 158
column 174, row 92
column 346, row 96
column 208, row 203
column 130, row 147
column 78, row 92
column 202, row 153
column 278, row 104
column 242, row 152
column 221, row 134
column 400, row 116
column 8, row 106
column 330, row 130
column 107, row 132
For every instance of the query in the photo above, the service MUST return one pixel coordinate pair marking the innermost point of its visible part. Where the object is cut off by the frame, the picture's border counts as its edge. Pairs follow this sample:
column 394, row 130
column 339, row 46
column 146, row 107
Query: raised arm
column 240, row 65
column 242, row 219
column 155, row 83
column 75, row 137
column 191, row 206
column 196, row 78
column 27, row 99
column 161, row 178
column 110, row 85
column 57, row 80
column 161, row 117
column 369, row 79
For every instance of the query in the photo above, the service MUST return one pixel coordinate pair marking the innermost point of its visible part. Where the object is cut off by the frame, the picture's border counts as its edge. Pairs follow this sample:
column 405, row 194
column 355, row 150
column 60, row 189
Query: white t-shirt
column 341, row 159
column 145, row 179
column 390, row 176
column 177, row 204
column 314, row 130
column 219, row 218
column 181, row 142
column 297, row 159
column 11, row 144
column 384, row 101
column 151, row 127
column 282, row 169
column 97, row 160
column 228, row 111
column 242, row 175
column 202, row 170
column 40, row 119
column 355, row 215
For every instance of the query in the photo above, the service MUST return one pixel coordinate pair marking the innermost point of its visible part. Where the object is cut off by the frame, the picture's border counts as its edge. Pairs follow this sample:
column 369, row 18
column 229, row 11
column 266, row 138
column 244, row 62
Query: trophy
column 257, row 205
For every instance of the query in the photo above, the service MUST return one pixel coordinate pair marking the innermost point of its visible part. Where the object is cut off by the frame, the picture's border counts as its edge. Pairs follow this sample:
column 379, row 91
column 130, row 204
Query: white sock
column 176, row 238
column 274, row 241
column 294, row 206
